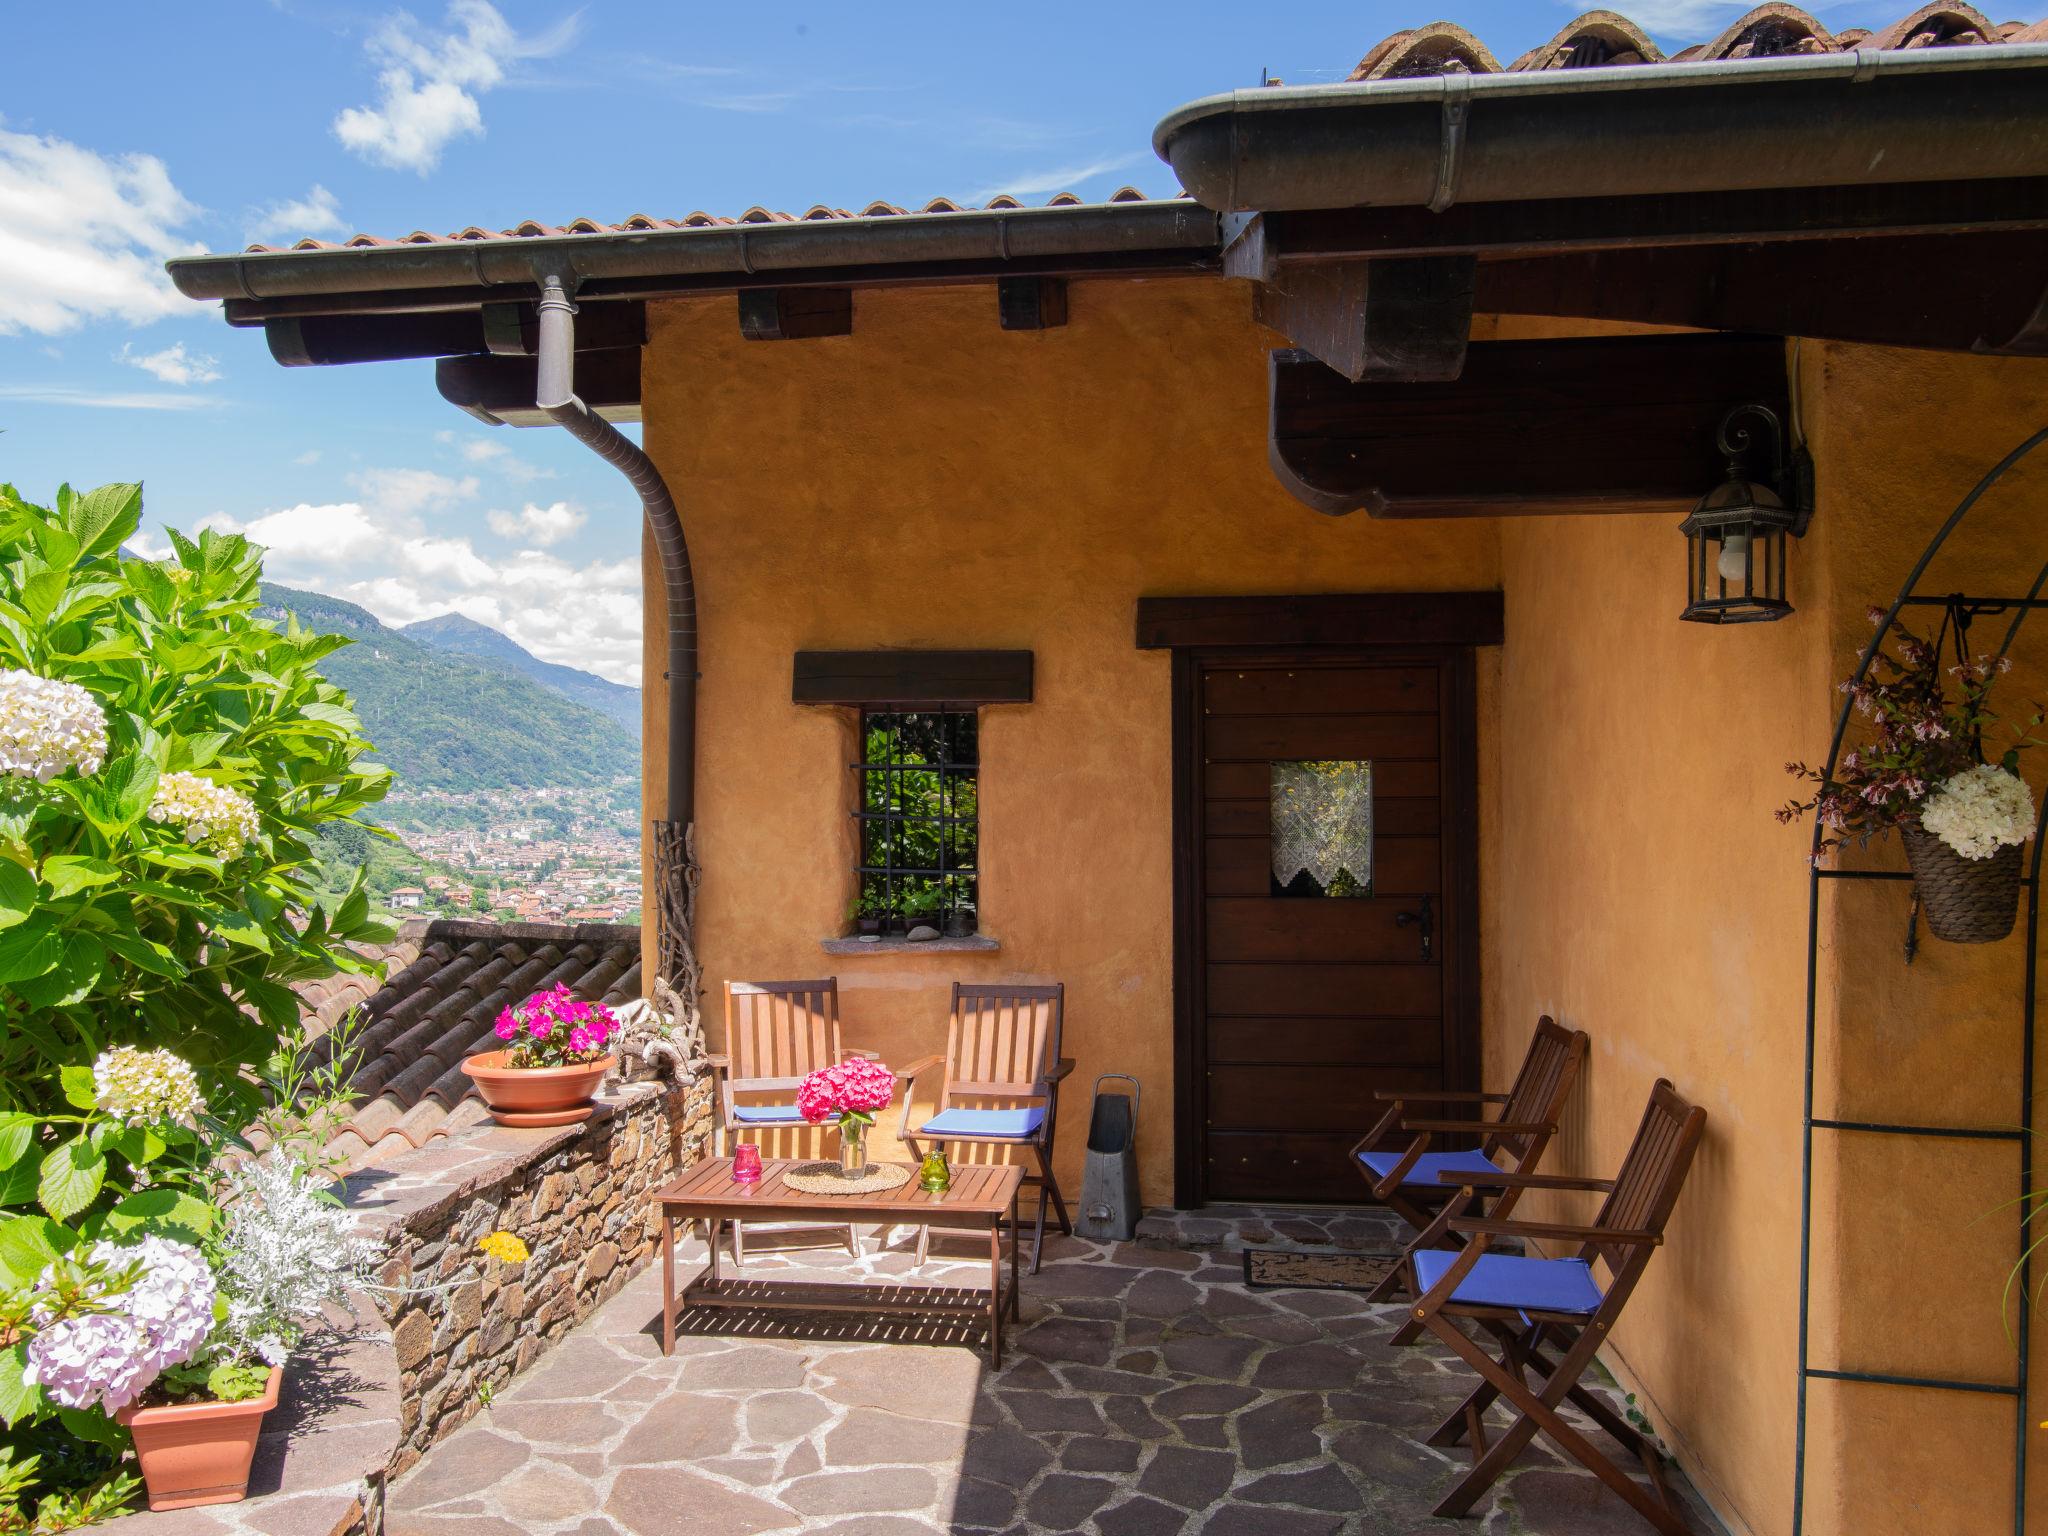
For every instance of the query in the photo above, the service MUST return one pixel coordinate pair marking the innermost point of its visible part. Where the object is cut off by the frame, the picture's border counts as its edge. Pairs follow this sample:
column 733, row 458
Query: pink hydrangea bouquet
column 556, row 1028
column 852, row 1092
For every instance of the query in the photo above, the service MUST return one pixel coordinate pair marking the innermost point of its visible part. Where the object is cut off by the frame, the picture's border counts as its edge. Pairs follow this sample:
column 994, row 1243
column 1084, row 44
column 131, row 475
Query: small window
column 1322, row 828
column 919, row 835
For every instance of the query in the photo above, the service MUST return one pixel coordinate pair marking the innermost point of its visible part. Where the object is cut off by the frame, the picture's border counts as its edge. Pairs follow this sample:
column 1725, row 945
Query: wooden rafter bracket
column 795, row 314
column 1588, row 424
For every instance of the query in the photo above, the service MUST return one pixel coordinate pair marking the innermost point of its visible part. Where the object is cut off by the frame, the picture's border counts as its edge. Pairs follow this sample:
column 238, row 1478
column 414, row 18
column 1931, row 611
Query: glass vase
column 853, row 1148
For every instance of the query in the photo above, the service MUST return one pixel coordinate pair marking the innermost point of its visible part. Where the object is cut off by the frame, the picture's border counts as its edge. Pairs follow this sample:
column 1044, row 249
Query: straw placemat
column 826, row 1179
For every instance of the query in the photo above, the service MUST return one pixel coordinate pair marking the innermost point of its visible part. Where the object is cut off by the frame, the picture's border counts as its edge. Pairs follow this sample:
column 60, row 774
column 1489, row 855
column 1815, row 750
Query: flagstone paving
column 1146, row 1392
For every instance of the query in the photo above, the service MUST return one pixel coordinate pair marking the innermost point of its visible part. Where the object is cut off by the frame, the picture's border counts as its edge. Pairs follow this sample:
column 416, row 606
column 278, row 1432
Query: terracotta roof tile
column 1606, row 38
column 641, row 223
column 445, row 984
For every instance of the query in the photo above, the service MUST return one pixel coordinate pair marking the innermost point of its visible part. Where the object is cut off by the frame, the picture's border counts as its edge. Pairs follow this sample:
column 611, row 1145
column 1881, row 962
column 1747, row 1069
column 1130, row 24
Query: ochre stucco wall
column 1922, row 1230
column 932, row 480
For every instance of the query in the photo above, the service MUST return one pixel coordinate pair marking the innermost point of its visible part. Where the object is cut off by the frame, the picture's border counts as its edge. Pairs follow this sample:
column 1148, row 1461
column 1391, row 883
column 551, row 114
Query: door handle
column 1425, row 923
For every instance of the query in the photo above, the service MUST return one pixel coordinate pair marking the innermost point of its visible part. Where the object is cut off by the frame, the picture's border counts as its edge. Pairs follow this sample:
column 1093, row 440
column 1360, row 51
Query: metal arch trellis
column 1962, row 606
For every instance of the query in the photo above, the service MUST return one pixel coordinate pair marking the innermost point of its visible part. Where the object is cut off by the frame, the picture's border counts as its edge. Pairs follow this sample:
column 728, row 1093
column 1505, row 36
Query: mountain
column 479, row 642
column 445, row 722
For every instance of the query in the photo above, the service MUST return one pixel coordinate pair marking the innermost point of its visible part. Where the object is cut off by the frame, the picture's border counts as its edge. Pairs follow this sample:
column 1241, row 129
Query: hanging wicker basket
column 1965, row 901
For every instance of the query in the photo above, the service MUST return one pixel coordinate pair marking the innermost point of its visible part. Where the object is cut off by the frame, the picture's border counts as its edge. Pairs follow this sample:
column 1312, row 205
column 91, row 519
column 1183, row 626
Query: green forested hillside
column 480, row 643
column 443, row 723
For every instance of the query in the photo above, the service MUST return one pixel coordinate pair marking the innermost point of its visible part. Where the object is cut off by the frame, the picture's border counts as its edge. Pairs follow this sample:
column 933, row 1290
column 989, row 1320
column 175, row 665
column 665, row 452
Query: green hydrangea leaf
column 17, row 894
column 18, row 1400
column 30, row 949
column 161, row 1212
column 79, row 1089
column 66, row 873
column 17, row 1130
column 71, row 1179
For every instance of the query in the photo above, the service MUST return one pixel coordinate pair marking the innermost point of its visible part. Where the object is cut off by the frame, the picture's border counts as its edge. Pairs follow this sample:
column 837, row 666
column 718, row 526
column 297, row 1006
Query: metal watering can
column 1109, row 1179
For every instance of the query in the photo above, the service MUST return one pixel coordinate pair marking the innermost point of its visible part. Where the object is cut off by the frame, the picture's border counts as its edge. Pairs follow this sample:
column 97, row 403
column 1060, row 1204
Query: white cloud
column 539, row 526
column 103, row 399
column 404, row 492
column 173, row 365
column 1063, row 178
column 380, row 551
column 489, row 450
column 428, row 82
column 84, row 236
column 317, row 213
column 1690, row 20
column 310, row 456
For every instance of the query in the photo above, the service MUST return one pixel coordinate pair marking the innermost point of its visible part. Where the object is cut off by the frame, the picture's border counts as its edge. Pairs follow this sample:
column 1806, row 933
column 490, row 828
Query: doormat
column 1274, row 1269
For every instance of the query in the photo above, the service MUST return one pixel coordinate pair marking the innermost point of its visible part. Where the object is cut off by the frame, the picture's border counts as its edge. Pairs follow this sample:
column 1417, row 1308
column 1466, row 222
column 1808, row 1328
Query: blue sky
column 131, row 131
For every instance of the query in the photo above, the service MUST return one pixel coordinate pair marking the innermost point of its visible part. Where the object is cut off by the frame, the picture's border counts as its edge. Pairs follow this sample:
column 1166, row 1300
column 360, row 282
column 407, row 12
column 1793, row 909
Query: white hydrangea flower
column 47, row 726
column 1979, row 811
column 108, row 1359
column 210, row 813
column 140, row 1087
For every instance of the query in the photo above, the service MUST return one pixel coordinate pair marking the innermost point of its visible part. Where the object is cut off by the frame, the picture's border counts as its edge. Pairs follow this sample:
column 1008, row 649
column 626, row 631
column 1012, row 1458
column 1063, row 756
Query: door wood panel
column 1295, row 1009
column 1264, row 738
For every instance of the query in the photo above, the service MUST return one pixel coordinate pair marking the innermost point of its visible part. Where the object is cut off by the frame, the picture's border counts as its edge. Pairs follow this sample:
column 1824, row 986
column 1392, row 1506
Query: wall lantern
column 1735, row 537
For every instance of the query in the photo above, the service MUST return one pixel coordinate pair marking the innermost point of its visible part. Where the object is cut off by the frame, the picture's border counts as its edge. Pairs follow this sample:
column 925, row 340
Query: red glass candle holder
column 746, row 1163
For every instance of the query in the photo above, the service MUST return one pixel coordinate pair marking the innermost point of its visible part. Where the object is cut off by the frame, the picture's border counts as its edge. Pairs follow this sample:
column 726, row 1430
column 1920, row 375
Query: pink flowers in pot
column 852, row 1092
column 556, row 1028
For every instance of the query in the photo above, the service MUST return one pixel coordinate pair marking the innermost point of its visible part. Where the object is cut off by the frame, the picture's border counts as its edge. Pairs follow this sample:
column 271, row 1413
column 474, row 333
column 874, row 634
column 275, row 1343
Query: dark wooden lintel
column 912, row 679
column 1322, row 618
column 501, row 390
column 1031, row 303
column 795, row 314
column 1401, row 319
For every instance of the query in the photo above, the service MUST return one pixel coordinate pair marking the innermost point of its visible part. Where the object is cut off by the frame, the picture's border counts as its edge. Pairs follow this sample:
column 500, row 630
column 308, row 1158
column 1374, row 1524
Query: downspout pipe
column 555, row 396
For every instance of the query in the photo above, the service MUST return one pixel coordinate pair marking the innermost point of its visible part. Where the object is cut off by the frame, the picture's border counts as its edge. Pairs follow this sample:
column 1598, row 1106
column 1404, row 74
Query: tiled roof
column 641, row 223
column 445, row 984
column 1601, row 38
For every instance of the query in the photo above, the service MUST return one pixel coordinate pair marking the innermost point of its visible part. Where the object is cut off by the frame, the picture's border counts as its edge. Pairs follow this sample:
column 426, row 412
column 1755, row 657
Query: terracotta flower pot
column 529, row 1096
column 199, row 1453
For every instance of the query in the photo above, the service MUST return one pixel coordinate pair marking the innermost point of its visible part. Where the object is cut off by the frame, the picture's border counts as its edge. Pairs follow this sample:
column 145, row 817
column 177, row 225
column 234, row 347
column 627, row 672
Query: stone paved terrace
column 1146, row 1392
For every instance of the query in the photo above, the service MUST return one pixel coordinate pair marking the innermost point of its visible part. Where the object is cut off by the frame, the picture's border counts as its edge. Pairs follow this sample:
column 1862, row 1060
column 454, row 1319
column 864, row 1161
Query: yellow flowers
column 506, row 1247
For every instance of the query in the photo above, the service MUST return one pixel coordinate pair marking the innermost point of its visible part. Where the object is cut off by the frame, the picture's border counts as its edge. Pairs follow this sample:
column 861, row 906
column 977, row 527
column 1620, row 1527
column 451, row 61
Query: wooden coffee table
column 979, row 1199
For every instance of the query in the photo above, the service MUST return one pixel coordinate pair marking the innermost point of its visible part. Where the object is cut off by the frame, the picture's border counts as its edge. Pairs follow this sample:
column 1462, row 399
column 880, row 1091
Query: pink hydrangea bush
column 853, row 1092
column 556, row 1028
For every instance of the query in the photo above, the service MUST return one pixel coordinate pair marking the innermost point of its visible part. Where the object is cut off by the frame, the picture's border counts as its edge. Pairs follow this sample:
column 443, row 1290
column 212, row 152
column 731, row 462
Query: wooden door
column 1307, row 983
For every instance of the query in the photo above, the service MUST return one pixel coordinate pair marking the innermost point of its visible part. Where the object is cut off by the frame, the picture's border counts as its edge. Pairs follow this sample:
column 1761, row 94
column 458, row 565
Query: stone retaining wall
column 462, row 1324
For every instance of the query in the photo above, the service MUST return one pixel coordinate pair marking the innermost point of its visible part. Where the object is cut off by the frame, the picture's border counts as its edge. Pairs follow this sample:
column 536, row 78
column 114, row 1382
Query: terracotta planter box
column 199, row 1453
column 531, row 1096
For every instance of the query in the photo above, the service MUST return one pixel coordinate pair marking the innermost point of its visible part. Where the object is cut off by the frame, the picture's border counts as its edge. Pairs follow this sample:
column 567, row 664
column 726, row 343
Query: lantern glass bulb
column 1733, row 561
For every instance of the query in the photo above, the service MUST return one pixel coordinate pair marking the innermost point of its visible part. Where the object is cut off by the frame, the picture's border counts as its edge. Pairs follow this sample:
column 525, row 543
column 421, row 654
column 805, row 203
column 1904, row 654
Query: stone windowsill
column 896, row 944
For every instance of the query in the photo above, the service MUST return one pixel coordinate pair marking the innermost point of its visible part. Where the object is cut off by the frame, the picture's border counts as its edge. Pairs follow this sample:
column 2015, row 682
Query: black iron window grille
column 918, row 817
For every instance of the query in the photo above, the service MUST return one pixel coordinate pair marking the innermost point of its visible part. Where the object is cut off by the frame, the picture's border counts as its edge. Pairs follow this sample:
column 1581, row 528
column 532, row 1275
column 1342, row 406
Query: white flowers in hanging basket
column 1979, row 811
column 222, row 818
column 47, row 727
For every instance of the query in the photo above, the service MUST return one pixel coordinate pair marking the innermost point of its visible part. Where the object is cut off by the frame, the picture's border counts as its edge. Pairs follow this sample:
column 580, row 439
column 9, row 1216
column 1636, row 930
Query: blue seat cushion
column 1429, row 1165
column 767, row 1114
column 1017, row 1123
column 1506, row 1280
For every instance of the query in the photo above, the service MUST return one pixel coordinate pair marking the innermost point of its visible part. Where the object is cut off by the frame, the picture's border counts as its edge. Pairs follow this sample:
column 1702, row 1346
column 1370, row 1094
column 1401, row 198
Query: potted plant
column 865, row 915
column 553, row 1061
column 1962, row 820
column 921, row 906
column 851, row 1093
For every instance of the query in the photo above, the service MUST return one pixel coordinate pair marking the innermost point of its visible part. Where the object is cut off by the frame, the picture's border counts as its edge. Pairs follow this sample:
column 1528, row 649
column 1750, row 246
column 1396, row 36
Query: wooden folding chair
column 1534, row 1306
column 777, row 1033
column 1513, row 1143
column 1001, row 1089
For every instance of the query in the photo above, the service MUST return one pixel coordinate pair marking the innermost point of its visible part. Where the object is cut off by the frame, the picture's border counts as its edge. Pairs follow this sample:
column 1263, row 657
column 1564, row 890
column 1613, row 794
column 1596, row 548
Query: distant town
column 553, row 855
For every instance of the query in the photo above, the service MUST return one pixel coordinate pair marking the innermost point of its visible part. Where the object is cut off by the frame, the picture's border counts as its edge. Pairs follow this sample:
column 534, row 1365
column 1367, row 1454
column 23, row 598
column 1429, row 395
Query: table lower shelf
column 824, row 1296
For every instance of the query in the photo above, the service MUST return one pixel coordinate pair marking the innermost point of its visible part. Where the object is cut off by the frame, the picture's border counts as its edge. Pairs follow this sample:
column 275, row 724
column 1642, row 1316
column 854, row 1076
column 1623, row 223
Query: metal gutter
column 1859, row 118
column 994, row 237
